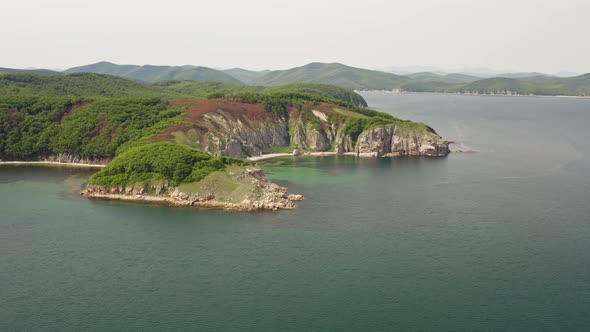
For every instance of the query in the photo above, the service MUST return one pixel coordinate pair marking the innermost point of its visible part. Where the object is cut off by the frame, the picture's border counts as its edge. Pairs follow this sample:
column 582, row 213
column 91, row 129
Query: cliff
column 243, row 130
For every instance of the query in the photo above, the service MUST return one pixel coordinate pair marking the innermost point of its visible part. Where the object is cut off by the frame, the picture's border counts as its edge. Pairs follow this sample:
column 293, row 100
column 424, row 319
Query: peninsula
column 193, row 143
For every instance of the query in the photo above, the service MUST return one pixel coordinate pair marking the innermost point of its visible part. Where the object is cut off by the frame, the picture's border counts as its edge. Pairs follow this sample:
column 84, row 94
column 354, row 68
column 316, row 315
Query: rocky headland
column 243, row 130
column 238, row 188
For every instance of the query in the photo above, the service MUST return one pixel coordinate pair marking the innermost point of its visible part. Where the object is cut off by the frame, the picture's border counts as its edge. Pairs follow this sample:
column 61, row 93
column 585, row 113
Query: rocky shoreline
column 269, row 196
column 60, row 160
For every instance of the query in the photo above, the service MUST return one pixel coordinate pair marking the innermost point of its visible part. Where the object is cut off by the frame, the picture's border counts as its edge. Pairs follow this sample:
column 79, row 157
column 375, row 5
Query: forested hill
column 244, row 75
column 149, row 73
column 335, row 74
column 204, row 89
column 45, row 72
column 108, row 86
column 81, row 85
column 540, row 85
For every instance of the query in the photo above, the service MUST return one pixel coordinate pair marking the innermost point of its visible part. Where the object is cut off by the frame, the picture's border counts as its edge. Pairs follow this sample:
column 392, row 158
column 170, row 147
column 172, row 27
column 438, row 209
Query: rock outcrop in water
column 396, row 141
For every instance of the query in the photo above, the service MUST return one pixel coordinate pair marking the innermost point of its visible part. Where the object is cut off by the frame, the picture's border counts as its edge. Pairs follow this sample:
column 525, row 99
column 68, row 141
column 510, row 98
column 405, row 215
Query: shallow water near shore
column 496, row 240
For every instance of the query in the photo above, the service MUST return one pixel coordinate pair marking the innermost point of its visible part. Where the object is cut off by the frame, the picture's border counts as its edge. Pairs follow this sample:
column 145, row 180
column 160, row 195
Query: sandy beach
column 305, row 154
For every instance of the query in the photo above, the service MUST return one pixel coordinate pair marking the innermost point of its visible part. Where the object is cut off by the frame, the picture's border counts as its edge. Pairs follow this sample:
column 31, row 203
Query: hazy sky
column 517, row 35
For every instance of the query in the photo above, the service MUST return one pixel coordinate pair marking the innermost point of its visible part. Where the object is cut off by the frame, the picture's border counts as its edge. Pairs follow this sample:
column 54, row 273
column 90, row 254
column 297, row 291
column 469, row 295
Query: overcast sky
column 514, row 35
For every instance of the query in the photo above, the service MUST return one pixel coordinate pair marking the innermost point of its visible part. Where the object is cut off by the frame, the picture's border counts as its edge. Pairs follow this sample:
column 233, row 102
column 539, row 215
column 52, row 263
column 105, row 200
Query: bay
column 495, row 240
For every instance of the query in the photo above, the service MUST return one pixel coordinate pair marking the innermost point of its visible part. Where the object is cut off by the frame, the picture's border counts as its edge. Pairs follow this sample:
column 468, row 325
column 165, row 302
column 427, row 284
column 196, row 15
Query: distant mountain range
column 152, row 74
column 347, row 77
column 478, row 72
column 244, row 75
column 109, row 86
column 333, row 73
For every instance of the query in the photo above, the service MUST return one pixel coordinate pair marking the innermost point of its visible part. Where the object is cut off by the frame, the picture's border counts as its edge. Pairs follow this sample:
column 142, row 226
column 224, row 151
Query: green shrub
column 174, row 163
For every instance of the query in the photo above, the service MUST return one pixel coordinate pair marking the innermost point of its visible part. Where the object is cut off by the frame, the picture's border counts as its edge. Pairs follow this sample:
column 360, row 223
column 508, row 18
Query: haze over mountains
column 344, row 76
column 151, row 74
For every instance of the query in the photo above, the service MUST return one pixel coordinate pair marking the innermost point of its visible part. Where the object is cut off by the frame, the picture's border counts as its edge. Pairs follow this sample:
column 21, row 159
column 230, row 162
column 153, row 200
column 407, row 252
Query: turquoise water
column 496, row 240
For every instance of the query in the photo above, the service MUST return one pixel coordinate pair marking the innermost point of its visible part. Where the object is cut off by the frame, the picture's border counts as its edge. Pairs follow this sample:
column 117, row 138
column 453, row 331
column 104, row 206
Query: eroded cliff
column 242, row 130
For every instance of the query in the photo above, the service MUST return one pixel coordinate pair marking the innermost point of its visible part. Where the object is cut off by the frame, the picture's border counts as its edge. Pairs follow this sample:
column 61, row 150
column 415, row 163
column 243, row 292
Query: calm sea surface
column 492, row 241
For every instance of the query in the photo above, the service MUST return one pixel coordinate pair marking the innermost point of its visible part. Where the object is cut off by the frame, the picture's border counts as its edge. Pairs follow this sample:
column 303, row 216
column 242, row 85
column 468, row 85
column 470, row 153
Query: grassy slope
column 221, row 184
column 334, row 74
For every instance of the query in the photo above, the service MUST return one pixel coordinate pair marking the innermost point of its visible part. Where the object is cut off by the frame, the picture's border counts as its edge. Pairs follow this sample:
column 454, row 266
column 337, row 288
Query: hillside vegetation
column 177, row 81
column 334, row 74
column 39, row 127
column 362, row 79
column 540, row 85
column 81, row 85
column 45, row 72
column 108, row 86
column 208, row 89
column 151, row 74
column 163, row 161
column 92, row 116
column 177, row 140
column 244, row 75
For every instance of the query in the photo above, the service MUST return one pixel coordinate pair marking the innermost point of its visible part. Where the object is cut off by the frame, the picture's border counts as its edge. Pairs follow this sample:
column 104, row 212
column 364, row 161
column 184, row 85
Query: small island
column 179, row 175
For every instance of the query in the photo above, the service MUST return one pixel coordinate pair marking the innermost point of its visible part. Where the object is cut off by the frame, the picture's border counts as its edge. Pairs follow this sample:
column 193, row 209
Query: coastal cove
column 495, row 240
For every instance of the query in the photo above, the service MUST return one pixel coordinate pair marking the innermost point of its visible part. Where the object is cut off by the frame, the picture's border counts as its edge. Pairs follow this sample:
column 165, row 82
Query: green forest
column 172, row 163
column 100, row 118
column 317, row 78
column 36, row 127
column 96, row 117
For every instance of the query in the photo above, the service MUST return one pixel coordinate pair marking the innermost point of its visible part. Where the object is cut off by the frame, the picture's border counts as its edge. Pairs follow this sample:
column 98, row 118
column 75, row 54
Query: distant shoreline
column 473, row 94
column 50, row 164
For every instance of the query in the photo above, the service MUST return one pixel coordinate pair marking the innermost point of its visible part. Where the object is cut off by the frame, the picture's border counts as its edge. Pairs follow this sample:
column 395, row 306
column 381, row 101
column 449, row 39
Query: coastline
column 254, row 159
column 178, row 202
column 263, row 157
column 473, row 94
column 304, row 154
column 50, row 164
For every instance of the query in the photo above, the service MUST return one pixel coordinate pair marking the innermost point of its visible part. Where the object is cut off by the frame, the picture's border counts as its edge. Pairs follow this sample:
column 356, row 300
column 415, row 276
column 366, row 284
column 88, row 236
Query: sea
column 497, row 239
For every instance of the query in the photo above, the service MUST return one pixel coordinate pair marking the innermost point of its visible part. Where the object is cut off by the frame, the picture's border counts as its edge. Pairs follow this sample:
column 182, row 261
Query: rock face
column 67, row 158
column 241, row 130
column 387, row 141
column 264, row 195
column 238, row 137
column 393, row 141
